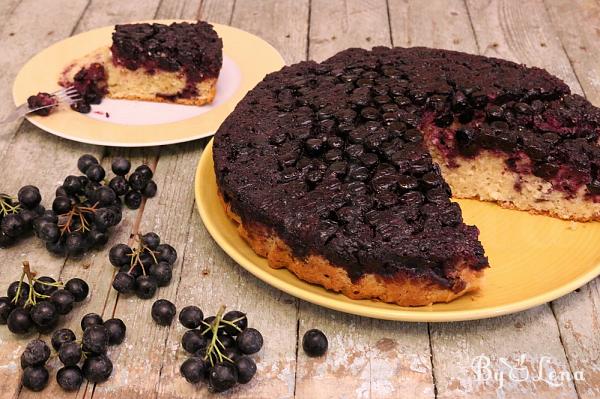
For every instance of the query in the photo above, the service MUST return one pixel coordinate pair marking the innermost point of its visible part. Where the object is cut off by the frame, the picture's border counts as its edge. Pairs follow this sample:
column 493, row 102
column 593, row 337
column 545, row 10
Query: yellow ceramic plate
column 247, row 59
column 534, row 259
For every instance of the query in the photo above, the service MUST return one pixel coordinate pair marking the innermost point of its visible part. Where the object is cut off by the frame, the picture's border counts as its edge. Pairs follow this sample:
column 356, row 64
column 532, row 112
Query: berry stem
column 78, row 211
column 31, row 296
column 5, row 207
column 214, row 327
column 18, row 293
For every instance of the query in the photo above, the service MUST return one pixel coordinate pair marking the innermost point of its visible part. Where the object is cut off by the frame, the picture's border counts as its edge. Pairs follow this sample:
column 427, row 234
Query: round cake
column 342, row 171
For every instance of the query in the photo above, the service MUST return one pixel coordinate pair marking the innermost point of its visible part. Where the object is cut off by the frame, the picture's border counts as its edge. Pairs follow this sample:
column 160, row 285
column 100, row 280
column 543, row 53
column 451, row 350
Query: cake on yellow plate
column 177, row 63
column 343, row 172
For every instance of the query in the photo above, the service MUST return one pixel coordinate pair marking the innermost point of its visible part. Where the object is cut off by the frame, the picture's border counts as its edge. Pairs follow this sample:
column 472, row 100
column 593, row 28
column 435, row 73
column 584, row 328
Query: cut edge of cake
column 486, row 178
column 123, row 83
column 401, row 289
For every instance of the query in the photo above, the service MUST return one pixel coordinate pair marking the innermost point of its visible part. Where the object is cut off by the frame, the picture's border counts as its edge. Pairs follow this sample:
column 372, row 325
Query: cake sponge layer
column 487, row 178
column 156, row 86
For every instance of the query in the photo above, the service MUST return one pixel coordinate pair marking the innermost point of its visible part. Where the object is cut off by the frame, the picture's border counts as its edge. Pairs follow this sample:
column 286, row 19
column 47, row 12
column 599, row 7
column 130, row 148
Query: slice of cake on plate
column 177, row 63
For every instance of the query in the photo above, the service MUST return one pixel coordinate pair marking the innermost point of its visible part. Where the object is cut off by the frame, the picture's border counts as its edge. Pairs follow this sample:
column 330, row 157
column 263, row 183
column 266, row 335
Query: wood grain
column 434, row 23
column 526, row 344
column 54, row 159
column 32, row 26
column 178, row 9
column 523, row 33
column 284, row 24
column 335, row 26
column 578, row 314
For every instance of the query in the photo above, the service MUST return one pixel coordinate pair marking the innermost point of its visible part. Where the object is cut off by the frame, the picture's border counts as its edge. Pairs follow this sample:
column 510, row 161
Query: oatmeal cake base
column 139, row 85
column 315, row 269
column 486, row 178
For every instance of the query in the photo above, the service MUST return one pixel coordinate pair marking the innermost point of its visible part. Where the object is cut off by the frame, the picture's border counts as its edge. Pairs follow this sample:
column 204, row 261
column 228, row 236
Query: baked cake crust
column 401, row 290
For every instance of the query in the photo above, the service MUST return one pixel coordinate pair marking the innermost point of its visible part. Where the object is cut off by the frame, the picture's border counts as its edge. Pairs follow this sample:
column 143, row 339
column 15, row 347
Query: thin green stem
column 214, row 339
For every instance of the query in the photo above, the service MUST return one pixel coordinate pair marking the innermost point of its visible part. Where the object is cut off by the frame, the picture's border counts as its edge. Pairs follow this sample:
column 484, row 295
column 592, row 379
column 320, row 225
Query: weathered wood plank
column 576, row 24
column 413, row 24
column 32, row 26
column 110, row 12
column 366, row 358
column 54, row 156
column 335, row 26
column 138, row 360
column 264, row 19
column 179, row 9
column 533, row 334
column 578, row 314
column 6, row 9
column 524, row 34
column 527, row 344
column 220, row 11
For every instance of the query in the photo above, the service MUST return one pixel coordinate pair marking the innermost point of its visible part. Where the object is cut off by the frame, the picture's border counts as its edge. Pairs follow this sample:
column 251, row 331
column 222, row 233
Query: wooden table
column 367, row 358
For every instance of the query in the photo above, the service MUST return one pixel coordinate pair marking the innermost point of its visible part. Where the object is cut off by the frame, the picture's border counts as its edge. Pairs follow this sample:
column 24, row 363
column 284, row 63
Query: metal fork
column 68, row 95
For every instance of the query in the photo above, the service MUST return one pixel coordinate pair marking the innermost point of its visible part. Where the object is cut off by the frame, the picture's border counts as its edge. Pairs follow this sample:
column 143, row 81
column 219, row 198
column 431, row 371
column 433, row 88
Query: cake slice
column 177, row 63
column 322, row 186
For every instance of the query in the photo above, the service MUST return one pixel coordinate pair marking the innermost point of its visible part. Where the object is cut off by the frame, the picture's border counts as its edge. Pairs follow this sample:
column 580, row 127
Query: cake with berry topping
column 343, row 171
column 176, row 63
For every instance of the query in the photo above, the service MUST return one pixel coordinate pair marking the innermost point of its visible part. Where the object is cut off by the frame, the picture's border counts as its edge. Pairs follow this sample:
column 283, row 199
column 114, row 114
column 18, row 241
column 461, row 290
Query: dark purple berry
column 90, row 319
column 162, row 273
column 120, row 166
column 191, row 317
column 150, row 240
column 78, row 288
column 314, row 343
column 85, row 161
column 145, row 171
column 124, row 282
column 62, row 336
column 193, row 341
column 133, row 199
column 69, row 378
column 97, row 369
column 194, row 369
column 149, row 191
column 116, row 331
column 95, row 339
column 249, row 341
column 238, row 318
column 166, row 253
column 70, row 353
column 36, row 353
column 35, row 378
column 163, row 312
column 44, row 314
column 63, row 301
column 222, row 377
column 246, row 369
column 29, row 197
column 95, row 173
column 145, row 287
